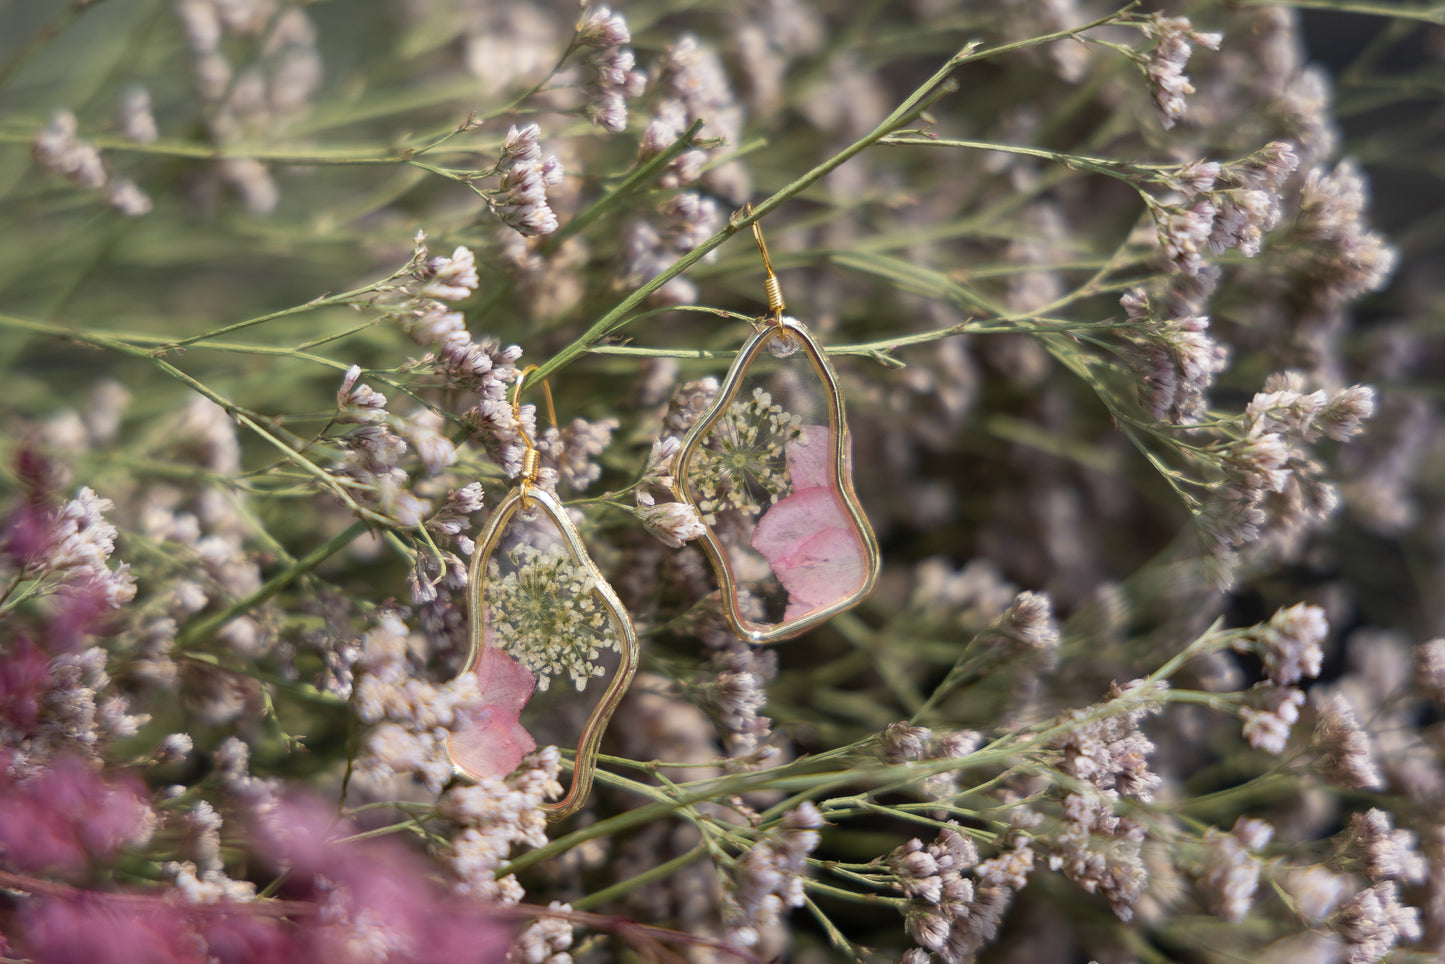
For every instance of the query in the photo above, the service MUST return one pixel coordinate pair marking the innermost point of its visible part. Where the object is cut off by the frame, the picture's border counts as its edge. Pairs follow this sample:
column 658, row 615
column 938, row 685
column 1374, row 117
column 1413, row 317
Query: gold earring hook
column 532, row 459
column 771, row 284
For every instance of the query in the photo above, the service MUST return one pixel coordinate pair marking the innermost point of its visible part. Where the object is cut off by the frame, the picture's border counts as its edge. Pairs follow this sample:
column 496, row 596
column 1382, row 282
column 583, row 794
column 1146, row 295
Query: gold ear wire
column 771, row 285
column 532, row 459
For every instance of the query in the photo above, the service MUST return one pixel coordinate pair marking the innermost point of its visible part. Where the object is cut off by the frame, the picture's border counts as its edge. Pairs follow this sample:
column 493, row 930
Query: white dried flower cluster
column 1346, row 757
column 446, row 279
column 453, row 520
column 135, row 119
column 526, row 175
column 544, row 610
column 491, row 817
column 572, row 451
column 1174, row 359
column 1272, row 485
column 251, row 100
column 1229, row 874
column 75, row 710
column 1026, row 626
column 79, row 543
column 1373, row 921
column 614, row 65
column 57, row 148
column 1094, row 846
column 673, row 523
column 1175, row 38
column 694, row 87
column 741, row 465
column 1269, row 713
column 210, row 886
column 544, row 941
column 768, row 878
column 373, row 453
column 1350, row 258
column 650, row 246
column 1430, row 669
column 1385, row 852
column 1289, row 644
column 906, row 743
column 410, row 719
column 949, row 914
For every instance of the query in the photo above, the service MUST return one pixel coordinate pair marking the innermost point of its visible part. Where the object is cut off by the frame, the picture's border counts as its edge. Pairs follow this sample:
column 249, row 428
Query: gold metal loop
column 771, row 284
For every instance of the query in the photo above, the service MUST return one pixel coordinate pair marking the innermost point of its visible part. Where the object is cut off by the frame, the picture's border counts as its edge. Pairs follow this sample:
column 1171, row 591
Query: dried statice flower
column 1315, row 891
column 1028, row 626
column 252, row 182
column 373, row 453
column 453, row 519
column 423, row 428
column 1184, row 233
column 1268, row 714
column 693, row 87
column 1095, row 847
column 1386, row 853
column 491, row 816
column 1289, row 644
column 448, row 279
column 1348, row 259
column 1010, row 868
column 69, row 548
column 1430, row 669
column 675, row 524
column 904, row 743
column 651, row 246
column 1106, row 749
column 1374, row 921
column 768, row 878
column 57, row 149
column 614, row 66
column 1230, row 873
column 525, row 179
column 1175, row 38
column 173, row 749
column 410, row 718
column 196, row 886
column 1346, row 757
column 573, row 450
column 136, row 121
column 545, row 940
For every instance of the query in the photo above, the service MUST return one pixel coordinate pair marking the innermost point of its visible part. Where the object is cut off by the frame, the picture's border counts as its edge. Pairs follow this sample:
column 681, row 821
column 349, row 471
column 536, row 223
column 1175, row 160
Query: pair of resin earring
column 768, row 470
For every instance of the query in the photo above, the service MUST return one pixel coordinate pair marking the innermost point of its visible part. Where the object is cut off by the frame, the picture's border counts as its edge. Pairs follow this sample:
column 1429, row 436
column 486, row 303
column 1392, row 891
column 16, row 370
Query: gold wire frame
column 842, row 477
column 524, row 496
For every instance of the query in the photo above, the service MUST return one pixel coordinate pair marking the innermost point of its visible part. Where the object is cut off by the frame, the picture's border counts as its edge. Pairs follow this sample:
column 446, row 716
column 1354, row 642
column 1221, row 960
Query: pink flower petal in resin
column 809, row 540
column 490, row 742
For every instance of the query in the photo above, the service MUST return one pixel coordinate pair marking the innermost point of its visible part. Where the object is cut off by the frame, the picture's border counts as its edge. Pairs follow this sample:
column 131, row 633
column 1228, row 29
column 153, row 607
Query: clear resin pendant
column 552, row 647
column 769, row 471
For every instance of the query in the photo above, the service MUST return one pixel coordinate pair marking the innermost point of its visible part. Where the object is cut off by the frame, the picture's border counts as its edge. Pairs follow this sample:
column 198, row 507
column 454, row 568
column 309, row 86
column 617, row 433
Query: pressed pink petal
column 490, row 742
column 810, row 459
column 812, row 546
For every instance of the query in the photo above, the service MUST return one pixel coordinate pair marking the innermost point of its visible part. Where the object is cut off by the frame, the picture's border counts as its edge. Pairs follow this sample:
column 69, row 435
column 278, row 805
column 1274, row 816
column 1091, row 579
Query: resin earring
column 769, row 470
column 551, row 645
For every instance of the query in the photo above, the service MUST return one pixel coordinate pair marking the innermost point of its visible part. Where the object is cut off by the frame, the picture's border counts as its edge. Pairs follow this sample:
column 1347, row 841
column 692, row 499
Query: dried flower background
column 1151, row 671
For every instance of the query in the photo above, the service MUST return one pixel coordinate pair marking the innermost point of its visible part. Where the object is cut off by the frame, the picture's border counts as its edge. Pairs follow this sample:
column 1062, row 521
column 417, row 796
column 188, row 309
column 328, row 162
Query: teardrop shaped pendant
column 552, row 647
column 769, row 470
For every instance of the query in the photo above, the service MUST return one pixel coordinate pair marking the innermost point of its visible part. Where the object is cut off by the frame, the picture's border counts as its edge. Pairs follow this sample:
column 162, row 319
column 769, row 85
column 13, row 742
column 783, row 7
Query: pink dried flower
column 69, row 814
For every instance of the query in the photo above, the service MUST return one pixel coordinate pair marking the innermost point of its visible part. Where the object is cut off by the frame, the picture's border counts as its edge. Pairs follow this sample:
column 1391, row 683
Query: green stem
column 200, row 629
column 615, row 319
